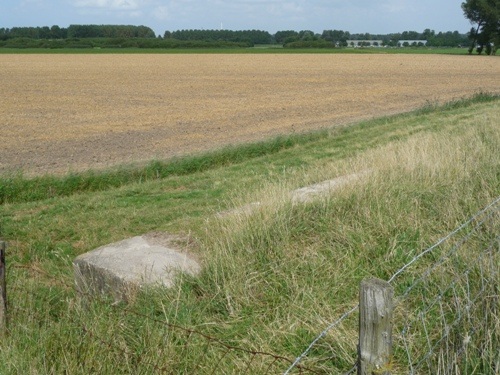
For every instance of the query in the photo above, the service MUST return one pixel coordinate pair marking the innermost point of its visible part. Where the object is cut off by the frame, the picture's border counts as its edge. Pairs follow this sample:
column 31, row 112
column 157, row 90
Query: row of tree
column 98, row 43
column 340, row 37
column 288, row 38
column 77, row 31
column 250, row 37
column 483, row 14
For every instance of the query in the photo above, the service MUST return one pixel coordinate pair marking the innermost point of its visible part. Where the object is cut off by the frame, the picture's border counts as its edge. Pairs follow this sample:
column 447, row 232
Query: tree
column 55, row 32
column 410, row 35
column 428, row 34
column 307, row 35
column 282, row 37
column 4, row 33
column 44, row 32
column 485, row 14
column 338, row 37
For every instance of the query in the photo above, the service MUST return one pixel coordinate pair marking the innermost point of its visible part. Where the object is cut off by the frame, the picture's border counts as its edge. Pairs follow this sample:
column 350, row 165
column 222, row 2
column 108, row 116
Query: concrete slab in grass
column 120, row 268
column 303, row 195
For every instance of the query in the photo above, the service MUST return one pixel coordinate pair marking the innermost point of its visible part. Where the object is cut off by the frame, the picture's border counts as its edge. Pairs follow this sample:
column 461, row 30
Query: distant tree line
column 98, row 43
column 110, row 31
column 126, row 36
column 77, row 31
column 249, row 37
column 339, row 38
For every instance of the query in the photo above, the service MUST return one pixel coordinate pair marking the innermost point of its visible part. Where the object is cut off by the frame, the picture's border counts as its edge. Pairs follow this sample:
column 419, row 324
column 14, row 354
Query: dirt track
column 73, row 112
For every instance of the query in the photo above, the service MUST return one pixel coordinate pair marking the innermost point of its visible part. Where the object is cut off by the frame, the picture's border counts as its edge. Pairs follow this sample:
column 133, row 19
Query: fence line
column 269, row 363
column 219, row 342
column 489, row 281
column 492, row 206
column 459, row 306
column 188, row 338
column 446, row 300
column 319, row 337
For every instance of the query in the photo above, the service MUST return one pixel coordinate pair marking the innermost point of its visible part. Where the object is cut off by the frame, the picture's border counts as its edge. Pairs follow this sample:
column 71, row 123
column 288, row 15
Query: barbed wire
column 479, row 218
column 464, row 293
column 217, row 341
column 451, row 304
column 490, row 208
column 319, row 337
column 272, row 361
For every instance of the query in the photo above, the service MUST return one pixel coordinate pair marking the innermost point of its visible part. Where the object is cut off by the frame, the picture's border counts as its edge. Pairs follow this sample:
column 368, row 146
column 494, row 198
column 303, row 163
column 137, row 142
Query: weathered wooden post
column 375, row 327
column 3, row 290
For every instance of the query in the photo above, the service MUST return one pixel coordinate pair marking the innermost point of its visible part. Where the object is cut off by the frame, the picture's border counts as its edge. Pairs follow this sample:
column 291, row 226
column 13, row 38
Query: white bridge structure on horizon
column 364, row 43
column 380, row 43
column 401, row 43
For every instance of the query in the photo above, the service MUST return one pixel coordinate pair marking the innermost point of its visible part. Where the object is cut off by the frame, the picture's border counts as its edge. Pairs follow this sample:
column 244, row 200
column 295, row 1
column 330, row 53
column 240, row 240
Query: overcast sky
column 355, row 16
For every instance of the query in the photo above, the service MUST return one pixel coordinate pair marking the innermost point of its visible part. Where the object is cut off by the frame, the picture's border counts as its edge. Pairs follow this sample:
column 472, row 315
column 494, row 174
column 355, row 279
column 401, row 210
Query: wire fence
column 447, row 318
column 446, row 321
column 200, row 353
column 144, row 344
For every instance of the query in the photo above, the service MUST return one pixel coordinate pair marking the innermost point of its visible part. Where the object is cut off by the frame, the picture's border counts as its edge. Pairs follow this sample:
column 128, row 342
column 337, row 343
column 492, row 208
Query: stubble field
column 63, row 113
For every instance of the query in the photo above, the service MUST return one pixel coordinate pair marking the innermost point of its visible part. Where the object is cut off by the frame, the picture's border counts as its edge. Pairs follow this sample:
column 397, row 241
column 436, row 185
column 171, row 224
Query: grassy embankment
column 274, row 277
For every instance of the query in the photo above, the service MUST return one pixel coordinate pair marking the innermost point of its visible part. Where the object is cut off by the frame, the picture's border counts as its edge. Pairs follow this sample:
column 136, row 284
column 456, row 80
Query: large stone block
column 120, row 268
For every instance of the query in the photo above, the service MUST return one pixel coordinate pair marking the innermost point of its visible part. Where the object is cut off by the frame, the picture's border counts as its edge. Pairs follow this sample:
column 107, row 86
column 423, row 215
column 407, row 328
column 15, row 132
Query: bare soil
column 61, row 113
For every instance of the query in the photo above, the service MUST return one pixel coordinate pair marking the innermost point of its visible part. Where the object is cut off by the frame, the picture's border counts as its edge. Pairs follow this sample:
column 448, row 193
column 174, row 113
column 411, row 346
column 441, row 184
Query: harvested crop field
column 64, row 113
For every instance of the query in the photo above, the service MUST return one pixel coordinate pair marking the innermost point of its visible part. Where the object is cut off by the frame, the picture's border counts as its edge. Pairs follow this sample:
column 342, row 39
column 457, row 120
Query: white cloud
column 161, row 12
column 108, row 4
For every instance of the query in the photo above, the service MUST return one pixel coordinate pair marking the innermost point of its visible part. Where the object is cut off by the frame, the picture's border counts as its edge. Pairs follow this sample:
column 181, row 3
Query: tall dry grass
column 296, row 266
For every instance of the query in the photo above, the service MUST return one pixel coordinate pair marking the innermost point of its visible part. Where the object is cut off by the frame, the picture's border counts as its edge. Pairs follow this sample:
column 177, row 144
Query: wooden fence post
column 375, row 327
column 3, row 290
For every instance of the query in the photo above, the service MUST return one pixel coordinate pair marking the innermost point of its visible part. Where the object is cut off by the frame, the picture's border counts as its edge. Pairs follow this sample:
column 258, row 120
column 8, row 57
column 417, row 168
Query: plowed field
column 73, row 112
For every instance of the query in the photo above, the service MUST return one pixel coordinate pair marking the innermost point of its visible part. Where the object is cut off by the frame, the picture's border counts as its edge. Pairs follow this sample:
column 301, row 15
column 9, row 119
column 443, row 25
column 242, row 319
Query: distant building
column 410, row 43
column 364, row 43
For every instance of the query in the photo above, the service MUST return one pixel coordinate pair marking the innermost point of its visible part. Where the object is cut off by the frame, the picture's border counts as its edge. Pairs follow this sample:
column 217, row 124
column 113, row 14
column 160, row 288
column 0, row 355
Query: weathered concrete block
column 120, row 268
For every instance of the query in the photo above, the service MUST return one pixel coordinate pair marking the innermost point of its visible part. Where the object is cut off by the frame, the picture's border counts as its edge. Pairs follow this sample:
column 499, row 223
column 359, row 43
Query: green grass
column 252, row 50
column 17, row 188
column 273, row 278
